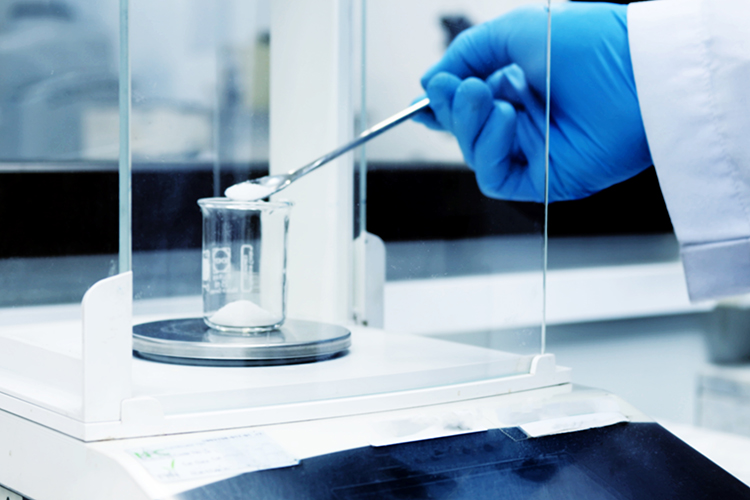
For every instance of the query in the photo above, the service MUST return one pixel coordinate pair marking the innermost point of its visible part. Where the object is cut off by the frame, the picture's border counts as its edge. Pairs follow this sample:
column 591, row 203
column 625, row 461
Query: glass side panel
column 58, row 149
column 199, row 124
column 467, row 268
column 460, row 265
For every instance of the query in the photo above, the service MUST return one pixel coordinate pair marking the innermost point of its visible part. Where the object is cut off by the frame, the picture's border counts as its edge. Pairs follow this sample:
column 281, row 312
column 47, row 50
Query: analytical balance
column 322, row 406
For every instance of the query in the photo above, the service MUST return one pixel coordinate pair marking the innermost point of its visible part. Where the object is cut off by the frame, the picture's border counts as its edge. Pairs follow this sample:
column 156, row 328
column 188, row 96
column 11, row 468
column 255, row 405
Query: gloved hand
column 489, row 91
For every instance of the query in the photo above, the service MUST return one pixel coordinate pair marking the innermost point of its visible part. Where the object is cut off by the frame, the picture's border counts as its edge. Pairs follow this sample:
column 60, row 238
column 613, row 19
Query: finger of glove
column 441, row 92
column 493, row 151
column 472, row 105
column 510, row 84
column 426, row 117
column 531, row 142
column 478, row 51
column 517, row 37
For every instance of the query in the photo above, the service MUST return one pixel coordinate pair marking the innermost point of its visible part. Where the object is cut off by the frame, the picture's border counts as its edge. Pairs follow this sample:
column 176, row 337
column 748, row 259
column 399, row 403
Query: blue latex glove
column 489, row 91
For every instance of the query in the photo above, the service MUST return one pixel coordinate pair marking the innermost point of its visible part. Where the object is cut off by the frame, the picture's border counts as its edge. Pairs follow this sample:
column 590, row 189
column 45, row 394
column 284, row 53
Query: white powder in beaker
column 243, row 313
column 248, row 191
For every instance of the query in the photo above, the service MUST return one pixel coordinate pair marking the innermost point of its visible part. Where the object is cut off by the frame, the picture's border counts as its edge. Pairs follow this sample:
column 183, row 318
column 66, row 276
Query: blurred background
column 617, row 307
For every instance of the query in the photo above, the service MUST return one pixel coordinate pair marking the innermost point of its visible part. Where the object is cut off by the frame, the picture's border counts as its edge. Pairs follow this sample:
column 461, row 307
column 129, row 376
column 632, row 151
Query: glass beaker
column 244, row 264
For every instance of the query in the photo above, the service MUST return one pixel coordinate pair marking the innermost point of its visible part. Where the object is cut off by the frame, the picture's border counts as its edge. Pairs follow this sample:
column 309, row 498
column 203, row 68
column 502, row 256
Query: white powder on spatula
column 243, row 313
column 248, row 191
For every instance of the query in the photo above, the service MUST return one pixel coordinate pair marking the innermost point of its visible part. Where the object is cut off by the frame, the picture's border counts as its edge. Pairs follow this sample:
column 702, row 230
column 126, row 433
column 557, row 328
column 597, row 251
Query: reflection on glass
column 59, row 65
column 485, row 256
column 199, row 124
column 58, row 207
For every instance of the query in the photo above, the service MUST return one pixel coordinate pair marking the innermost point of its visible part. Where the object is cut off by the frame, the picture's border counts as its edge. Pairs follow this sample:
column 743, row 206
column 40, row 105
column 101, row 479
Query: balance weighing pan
column 190, row 341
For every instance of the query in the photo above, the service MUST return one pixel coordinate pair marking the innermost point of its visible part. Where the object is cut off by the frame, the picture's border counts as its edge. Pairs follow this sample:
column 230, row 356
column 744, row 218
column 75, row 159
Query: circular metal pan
column 190, row 341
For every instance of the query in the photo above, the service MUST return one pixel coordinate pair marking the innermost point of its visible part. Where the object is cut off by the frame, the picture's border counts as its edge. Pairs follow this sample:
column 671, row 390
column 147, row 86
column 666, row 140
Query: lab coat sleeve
column 691, row 60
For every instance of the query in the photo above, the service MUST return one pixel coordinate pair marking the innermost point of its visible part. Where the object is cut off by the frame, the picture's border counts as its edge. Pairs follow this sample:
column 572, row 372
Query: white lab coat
column 691, row 60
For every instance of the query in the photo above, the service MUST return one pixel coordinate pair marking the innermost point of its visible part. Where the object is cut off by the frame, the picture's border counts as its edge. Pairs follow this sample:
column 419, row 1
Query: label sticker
column 220, row 455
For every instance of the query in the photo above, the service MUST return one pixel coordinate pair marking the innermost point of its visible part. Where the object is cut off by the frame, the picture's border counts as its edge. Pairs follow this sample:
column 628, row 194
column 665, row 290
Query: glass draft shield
column 397, row 274
column 461, row 266
column 59, row 149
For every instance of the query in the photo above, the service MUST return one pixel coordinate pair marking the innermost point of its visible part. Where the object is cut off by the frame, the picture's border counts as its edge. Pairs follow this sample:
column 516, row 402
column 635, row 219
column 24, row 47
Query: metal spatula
column 262, row 187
